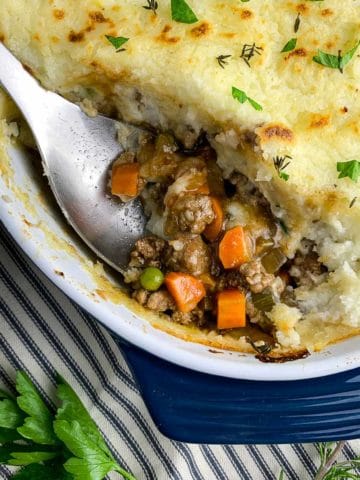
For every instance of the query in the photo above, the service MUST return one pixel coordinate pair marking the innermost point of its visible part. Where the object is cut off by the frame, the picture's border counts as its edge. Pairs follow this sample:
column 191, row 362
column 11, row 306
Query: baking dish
column 187, row 382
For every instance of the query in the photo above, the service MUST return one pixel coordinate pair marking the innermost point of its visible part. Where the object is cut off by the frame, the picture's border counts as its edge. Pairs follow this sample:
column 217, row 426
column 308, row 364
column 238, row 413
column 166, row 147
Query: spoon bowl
column 77, row 152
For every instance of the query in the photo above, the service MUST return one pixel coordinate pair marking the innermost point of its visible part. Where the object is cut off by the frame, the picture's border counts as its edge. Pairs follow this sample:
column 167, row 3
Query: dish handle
column 194, row 407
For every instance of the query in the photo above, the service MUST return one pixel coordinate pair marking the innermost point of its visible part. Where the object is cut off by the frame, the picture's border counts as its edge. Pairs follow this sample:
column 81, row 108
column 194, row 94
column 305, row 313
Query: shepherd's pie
column 251, row 173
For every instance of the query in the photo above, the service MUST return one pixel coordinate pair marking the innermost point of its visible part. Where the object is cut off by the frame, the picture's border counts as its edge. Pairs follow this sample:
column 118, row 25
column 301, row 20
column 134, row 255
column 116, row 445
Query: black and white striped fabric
column 42, row 331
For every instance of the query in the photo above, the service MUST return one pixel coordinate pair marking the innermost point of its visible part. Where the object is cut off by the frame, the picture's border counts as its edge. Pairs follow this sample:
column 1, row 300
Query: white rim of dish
column 298, row 370
column 334, row 360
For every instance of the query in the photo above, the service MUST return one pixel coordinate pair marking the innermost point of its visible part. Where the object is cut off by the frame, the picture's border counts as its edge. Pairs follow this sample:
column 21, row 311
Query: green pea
column 151, row 279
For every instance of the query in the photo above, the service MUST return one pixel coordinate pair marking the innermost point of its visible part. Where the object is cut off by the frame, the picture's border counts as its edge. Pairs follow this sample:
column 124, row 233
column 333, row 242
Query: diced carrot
column 124, row 179
column 186, row 290
column 234, row 249
column 212, row 231
column 231, row 309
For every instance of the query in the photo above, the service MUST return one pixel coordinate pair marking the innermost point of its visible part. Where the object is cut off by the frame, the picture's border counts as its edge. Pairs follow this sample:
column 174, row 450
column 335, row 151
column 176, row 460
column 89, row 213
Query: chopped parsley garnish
column 297, row 23
column 289, row 46
column 350, row 169
column 241, row 97
column 338, row 61
column 117, row 42
column 181, row 12
column 222, row 60
column 280, row 163
column 152, row 5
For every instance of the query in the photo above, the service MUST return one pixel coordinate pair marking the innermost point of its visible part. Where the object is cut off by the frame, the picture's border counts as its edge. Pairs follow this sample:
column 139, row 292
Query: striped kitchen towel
column 42, row 331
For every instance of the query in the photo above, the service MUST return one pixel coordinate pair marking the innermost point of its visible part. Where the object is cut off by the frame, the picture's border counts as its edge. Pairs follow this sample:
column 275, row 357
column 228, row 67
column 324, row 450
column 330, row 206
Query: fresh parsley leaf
column 7, row 435
column 335, row 61
column 254, row 104
column 348, row 56
column 38, row 426
column 117, row 42
column 181, row 12
column 73, row 409
column 284, row 176
column 27, row 452
column 90, row 461
column 43, row 472
column 72, row 437
column 10, row 414
column 289, row 46
column 349, row 169
column 4, row 394
column 26, row 458
column 241, row 97
column 327, row 59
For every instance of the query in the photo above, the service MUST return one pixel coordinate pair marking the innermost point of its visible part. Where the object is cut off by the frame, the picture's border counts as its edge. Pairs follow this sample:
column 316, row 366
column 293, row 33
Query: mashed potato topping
column 288, row 123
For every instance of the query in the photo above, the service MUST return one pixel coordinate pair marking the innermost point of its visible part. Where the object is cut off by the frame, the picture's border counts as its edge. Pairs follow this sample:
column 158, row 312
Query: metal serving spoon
column 76, row 152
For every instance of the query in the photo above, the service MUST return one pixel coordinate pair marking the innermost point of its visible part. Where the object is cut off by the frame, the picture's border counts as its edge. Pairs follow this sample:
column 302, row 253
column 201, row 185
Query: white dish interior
column 39, row 229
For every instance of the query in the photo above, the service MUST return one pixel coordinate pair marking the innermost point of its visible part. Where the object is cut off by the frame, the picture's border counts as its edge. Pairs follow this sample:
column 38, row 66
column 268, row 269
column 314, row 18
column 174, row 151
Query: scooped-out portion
column 213, row 257
column 253, row 187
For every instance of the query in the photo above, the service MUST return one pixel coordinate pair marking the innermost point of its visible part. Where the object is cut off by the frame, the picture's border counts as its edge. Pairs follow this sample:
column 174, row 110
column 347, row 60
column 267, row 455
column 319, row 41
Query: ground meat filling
column 256, row 276
column 190, row 213
column 306, row 270
column 189, row 254
column 219, row 249
column 147, row 252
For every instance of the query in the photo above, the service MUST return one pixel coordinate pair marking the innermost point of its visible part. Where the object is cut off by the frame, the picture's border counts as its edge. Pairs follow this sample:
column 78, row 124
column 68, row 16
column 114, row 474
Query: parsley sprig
column 242, row 97
column 117, row 42
column 350, row 169
column 338, row 61
column 61, row 445
column 182, row 12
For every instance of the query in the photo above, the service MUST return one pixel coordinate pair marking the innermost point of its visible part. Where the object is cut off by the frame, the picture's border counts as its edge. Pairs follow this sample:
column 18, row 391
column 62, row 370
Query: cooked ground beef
column 160, row 301
column 174, row 183
column 190, row 213
column 256, row 276
column 230, row 279
column 141, row 296
column 147, row 252
column 196, row 317
column 306, row 270
column 247, row 191
column 188, row 253
column 132, row 275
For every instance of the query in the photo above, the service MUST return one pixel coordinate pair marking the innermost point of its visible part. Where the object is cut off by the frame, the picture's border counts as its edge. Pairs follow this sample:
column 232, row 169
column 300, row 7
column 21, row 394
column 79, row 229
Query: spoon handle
column 26, row 92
